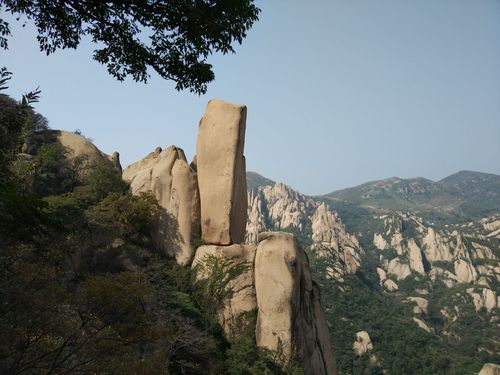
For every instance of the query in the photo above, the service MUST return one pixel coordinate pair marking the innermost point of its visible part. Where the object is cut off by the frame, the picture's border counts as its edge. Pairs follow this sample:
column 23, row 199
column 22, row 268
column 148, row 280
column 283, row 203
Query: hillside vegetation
column 405, row 262
column 83, row 289
column 462, row 196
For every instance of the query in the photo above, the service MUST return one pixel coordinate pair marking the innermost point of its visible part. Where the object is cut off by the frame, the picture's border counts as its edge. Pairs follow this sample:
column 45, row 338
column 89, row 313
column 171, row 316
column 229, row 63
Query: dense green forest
column 83, row 290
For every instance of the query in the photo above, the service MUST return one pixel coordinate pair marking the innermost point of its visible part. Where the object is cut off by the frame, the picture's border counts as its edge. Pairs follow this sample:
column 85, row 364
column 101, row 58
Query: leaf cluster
column 174, row 38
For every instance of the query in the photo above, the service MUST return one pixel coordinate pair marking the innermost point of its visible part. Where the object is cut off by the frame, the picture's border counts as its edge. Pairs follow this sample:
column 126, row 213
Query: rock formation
column 421, row 305
column 290, row 317
column 363, row 343
column 167, row 175
column 422, row 325
column 221, row 173
column 490, row 369
column 274, row 297
column 79, row 146
column 236, row 315
column 399, row 269
column 277, row 207
column 465, row 271
column 415, row 257
column 483, row 298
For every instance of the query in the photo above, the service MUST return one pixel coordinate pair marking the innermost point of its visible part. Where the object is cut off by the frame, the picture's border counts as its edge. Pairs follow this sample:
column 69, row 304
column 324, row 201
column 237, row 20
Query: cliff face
column 209, row 199
column 440, row 272
column 279, row 207
column 454, row 254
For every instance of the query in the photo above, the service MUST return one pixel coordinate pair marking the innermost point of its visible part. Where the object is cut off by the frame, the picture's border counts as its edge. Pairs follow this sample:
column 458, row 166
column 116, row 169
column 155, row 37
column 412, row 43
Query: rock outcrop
column 277, row 207
column 399, row 269
column 271, row 294
column 79, row 146
column 221, row 173
column 490, row 369
column 484, row 299
column 465, row 271
column 415, row 257
column 290, row 317
column 363, row 343
column 421, row 305
column 167, row 175
column 422, row 324
column 237, row 315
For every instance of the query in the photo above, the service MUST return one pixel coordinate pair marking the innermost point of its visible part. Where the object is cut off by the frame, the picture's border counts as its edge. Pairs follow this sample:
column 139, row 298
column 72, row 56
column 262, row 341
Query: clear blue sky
column 338, row 92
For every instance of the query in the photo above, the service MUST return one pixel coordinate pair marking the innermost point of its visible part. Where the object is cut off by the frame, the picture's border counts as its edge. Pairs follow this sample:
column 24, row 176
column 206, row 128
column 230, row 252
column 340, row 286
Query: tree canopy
column 172, row 37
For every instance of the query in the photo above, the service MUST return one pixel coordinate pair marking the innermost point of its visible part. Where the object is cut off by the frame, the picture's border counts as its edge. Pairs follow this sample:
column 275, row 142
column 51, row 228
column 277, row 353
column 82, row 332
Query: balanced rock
column 167, row 175
column 221, row 173
column 290, row 316
column 237, row 315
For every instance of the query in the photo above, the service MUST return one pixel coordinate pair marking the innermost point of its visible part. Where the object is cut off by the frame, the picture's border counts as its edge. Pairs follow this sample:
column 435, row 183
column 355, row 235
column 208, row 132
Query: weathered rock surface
column 277, row 206
column 390, row 285
column 435, row 248
column 79, row 146
column 221, row 173
column 237, row 314
column 422, row 325
column 363, row 343
column 465, row 271
column 399, row 269
column 484, row 298
column 415, row 257
column 290, row 315
column 166, row 174
column 421, row 305
column 490, row 369
column 379, row 242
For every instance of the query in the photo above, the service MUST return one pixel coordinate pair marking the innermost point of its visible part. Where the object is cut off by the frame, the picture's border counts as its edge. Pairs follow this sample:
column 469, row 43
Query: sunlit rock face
column 167, row 175
column 80, row 147
column 289, row 314
column 363, row 343
column 278, row 207
column 222, row 173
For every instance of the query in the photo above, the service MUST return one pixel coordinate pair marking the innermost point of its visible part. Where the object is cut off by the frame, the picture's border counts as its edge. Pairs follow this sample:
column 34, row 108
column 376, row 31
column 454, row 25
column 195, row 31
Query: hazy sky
column 338, row 92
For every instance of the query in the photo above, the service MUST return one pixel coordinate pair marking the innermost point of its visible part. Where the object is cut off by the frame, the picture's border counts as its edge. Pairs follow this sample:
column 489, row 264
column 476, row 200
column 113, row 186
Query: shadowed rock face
column 237, row 314
column 221, row 173
column 290, row 317
column 167, row 175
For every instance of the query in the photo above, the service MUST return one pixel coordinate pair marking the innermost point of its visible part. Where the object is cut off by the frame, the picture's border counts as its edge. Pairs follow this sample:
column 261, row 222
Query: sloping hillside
column 459, row 197
column 424, row 276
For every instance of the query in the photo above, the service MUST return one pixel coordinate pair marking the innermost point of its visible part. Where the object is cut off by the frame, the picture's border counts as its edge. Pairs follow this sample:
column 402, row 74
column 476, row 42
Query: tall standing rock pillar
column 221, row 173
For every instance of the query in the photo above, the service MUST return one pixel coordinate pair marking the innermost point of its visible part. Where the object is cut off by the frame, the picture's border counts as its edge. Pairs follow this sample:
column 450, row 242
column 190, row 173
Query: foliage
column 174, row 38
column 245, row 358
column 213, row 275
column 84, row 292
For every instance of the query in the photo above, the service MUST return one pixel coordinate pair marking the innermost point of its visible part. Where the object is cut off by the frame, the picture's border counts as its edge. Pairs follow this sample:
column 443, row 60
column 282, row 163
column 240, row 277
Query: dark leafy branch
column 172, row 37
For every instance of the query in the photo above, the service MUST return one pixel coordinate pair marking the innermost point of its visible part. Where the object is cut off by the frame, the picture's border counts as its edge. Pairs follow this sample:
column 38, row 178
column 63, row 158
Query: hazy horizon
column 338, row 94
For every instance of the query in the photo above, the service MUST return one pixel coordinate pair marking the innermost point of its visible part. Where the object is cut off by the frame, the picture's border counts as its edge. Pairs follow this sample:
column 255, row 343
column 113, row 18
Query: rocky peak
column 280, row 207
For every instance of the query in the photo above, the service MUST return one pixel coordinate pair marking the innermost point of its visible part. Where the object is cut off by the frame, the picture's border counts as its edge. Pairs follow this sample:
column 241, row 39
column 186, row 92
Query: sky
column 338, row 92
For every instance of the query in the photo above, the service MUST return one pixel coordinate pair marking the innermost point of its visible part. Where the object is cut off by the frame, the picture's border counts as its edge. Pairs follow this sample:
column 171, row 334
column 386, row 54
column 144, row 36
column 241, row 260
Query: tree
column 173, row 37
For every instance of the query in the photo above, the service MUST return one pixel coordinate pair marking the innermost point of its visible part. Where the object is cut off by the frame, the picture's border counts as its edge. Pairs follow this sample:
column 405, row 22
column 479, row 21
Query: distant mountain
column 462, row 196
column 410, row 265
column 255, row 180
